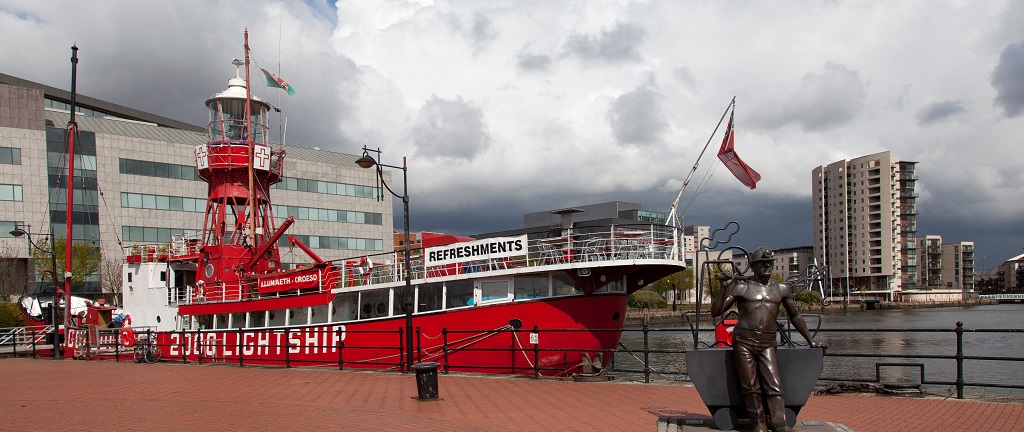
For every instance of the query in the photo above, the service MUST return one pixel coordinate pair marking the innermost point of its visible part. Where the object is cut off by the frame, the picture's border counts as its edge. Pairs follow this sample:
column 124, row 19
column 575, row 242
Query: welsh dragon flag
column 727, row 154
column 277, row 82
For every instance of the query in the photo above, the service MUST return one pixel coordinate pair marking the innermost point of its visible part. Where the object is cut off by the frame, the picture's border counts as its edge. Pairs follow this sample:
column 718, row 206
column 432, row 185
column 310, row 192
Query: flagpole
column 672, row 213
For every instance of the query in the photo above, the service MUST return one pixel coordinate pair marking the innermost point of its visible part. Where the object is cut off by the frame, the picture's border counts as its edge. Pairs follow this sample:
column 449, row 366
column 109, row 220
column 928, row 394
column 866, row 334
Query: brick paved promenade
column 43, row 394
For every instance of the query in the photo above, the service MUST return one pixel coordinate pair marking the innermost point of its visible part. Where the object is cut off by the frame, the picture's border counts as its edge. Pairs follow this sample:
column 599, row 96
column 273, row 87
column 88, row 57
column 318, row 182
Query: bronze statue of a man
column 758, row 300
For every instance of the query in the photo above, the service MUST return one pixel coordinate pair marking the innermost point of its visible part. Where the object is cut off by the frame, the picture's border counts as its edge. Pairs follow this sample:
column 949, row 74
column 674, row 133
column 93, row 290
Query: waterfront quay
column 44, row 394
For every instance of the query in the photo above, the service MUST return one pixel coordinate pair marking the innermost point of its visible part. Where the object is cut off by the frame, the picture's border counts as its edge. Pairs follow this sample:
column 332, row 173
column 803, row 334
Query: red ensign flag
column 727, row 154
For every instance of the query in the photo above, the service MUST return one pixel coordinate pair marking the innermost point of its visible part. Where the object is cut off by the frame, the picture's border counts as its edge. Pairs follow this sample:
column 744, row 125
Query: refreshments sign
column 491, row 248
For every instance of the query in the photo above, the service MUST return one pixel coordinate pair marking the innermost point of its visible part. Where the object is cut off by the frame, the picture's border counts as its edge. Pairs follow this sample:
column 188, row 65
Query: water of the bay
column 890, row 340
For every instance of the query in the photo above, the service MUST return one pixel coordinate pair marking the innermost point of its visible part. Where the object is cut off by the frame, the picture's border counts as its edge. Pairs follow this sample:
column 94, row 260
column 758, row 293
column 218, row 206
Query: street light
column 367, row 161
column 18, row 232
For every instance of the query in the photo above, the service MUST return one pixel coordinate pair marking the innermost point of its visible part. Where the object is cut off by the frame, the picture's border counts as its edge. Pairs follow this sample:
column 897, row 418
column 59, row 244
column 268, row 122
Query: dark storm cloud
column 1008, row 80
column 621, row 43
column 173, row 76
column 823, row 101
column 450, row 128
column 530, row 62
column 937, row 111
column 636, row 118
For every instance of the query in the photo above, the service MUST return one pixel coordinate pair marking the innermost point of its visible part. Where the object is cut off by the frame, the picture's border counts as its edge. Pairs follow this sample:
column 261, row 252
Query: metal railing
column 17, row 341
column 631, row 242
column 525, row 351
column 955, row 357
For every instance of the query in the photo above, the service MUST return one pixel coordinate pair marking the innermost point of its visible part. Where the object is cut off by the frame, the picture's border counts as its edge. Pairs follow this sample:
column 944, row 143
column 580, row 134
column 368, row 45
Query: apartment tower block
column 865, row 224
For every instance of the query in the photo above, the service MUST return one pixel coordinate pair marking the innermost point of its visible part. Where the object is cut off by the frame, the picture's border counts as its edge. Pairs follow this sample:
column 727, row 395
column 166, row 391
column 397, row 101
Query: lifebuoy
column 365, row 269
column 126, row 321
column 127, row 337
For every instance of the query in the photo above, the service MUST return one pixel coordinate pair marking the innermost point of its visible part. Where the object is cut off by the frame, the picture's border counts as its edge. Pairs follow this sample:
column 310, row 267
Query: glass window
column 492, row 290
column 460, row 294
column 398, row 306
column 373, row 304
column 7, row 226
column 346, row 307
column 10, row 192
column 149, row 201
column 10, row 156
column 617, row 285
column 430, row 298
column 527, row 287
column 174, row 203
column 163, row 202
column 563, row 284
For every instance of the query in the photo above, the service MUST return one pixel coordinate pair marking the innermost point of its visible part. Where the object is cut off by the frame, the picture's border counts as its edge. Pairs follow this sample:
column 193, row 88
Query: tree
column 13, row 275
column 10, row 315
column 647, row 299
column 85, row 260
column 808, row 297
column 110, row 279
column 682, row 281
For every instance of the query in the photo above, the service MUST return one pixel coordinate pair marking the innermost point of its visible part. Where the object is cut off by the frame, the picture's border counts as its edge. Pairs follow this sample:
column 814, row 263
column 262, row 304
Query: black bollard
column 426, row 380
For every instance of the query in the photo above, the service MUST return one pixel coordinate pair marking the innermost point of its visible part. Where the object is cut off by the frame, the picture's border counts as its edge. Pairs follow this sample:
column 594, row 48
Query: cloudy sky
column 510, row 107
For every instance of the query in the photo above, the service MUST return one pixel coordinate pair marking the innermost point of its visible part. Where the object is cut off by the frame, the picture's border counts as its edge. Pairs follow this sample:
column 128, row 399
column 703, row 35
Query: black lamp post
column 18, row 232
column 367, row 161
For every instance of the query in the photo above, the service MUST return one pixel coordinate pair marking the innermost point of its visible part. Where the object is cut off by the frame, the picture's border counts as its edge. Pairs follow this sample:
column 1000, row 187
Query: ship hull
column 545, row 336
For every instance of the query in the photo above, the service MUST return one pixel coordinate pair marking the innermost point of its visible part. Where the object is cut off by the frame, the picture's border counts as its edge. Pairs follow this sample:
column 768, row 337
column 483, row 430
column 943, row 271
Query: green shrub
column 647, row 299
column 10, row 316
column 808, row 297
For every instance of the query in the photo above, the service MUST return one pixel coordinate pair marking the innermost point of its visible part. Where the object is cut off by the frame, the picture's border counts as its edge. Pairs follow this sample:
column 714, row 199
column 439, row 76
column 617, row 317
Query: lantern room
column 227, row 114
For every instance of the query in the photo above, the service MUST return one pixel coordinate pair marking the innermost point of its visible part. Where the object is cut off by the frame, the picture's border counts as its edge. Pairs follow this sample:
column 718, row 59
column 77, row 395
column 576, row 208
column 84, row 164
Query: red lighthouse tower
column 239, row 238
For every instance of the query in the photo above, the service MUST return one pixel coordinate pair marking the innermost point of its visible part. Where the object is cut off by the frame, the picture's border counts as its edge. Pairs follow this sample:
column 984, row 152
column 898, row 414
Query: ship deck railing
column 615, row 245
column 553, row 249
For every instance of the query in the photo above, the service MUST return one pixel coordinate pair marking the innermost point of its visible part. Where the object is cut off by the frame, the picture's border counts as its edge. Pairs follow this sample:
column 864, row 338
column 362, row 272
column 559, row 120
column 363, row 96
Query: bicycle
column 148, row 352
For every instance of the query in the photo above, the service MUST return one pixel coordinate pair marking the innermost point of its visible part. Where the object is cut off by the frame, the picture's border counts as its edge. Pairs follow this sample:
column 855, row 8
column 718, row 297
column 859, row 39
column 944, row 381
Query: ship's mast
column 68, row 239
column 248, row 124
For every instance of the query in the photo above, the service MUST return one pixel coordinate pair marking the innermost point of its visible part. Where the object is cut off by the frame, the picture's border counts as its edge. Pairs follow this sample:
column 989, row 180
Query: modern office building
column 865, row 223
column 136, row 181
